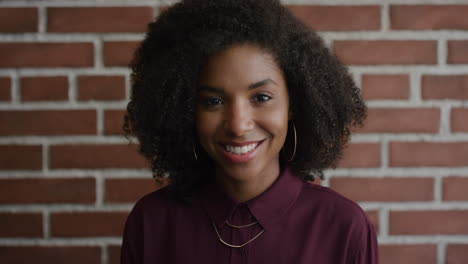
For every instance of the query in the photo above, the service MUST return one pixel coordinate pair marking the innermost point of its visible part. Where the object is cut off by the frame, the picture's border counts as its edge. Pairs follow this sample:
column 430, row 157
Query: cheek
column 277, row 124
column 205, row 126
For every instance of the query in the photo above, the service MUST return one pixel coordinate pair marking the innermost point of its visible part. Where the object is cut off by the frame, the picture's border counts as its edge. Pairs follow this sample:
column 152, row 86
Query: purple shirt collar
column 267, row 207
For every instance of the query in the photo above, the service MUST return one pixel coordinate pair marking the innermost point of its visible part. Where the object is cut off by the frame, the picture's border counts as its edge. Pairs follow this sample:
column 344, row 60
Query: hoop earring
column 295, row 142
column 194, row 152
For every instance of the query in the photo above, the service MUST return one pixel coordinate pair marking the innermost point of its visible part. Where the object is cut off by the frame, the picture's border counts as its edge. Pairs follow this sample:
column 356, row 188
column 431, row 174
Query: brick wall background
column 68, row 178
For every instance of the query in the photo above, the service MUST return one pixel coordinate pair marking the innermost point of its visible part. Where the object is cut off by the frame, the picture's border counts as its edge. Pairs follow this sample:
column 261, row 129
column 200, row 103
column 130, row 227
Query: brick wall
column 68, row 178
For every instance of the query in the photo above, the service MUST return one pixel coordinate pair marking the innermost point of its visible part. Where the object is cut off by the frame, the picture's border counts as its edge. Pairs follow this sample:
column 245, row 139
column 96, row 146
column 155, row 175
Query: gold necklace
column 236, row 246
column 242, row 226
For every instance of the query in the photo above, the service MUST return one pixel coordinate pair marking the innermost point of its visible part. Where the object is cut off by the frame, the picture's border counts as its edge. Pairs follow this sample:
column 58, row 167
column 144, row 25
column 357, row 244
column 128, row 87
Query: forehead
column 240, row 66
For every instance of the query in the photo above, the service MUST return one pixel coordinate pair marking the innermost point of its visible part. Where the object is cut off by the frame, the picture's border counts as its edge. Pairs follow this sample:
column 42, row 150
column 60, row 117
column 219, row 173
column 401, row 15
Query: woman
column 239, row 104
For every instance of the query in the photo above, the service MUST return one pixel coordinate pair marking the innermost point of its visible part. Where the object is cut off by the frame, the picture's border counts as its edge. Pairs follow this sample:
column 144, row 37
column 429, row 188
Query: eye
column 212, row 101
column 261, row 98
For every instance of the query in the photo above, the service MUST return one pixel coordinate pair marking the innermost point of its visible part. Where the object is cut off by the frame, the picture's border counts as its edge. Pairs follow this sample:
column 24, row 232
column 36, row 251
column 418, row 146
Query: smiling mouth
column 241, row 150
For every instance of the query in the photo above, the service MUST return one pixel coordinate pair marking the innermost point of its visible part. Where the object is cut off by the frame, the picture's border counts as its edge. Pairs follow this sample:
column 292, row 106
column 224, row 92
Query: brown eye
column 262, row 98
column 212, row 101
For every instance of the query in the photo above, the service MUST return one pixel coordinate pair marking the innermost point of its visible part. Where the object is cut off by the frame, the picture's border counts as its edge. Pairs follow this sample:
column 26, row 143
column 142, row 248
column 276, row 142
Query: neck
column 245, row 187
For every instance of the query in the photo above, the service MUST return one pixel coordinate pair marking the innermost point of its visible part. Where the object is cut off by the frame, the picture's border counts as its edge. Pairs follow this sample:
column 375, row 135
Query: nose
column 238, row 119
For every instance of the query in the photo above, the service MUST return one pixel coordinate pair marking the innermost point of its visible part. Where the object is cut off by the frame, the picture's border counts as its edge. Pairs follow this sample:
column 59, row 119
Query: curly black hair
column 324, row 100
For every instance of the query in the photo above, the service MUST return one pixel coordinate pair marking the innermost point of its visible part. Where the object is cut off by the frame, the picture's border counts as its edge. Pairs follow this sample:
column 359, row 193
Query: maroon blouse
column 302, row 223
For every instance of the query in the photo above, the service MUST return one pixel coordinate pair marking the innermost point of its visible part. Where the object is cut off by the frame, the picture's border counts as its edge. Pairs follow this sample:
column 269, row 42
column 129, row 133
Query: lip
column 240, row 158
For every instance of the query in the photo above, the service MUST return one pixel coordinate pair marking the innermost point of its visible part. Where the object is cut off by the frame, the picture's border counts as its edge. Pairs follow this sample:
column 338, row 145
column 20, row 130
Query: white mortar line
column 449, row 69
column 100, row 121
column 98, row 54
column 64, row 71
column 72, row 89
column 442, row 51
column 438, row 192
column 122, row 104
column 42, row 17
column 69, row 208
column 384, row 223
column 385, row 17
column 445, row 120
column 417, row 206
column 104, row 254
column 426, row 239
column 128, row 87
column 100, row 190
column 56, row 140
column 46, row 223
column 409, row 137
column 45, row 157
column 125, row 207
column 124, row 174
column 89, row 241
column 115, row 241
column 441, row 252
column 384, row 154
column 415, row 88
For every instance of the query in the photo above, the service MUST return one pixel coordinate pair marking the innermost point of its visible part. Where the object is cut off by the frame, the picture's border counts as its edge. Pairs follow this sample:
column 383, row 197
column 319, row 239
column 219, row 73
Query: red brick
column 412, row 253
column 50, row 254
column 375, row 52
column 97, row 156
column 36, row 54
column 114, row 254
column 44, row 88
column 428, row 154
column 436, row 222
column 88, row 224
column 129, row 190
column 47, row 122
column 119, row 53
column 101, row 87
column 455, row 189
column 427, row 17
column 113, row 122
column 457, row 254
column 385, row 189
column 457, row 51
column 401, row 120
column 459, row 120
column 361, row 155
column 338, row 18
column 20, row 157
column 445, row 87
column 47, row 190
column 374, row 219
column 5, row 89
column 382, row 86
column 17, row 20
column 20, row 224
column 98, row 19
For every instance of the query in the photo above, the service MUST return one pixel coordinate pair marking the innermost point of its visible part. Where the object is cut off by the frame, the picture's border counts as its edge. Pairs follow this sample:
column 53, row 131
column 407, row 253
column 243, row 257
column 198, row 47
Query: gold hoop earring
column 194, row 152
column 295, row 142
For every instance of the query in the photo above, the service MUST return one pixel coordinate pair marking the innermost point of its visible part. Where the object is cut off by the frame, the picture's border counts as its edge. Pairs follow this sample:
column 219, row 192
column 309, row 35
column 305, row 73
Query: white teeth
column 240, row 150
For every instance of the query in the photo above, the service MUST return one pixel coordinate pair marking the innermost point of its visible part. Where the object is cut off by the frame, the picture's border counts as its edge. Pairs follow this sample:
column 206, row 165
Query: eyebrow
column 221, row 90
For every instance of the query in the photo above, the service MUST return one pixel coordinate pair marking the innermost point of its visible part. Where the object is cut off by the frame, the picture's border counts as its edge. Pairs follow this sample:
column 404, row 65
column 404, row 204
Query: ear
column 290, row 115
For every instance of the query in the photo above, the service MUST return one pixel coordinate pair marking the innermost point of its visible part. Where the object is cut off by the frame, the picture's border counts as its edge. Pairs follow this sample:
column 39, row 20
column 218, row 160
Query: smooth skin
column 243, row 97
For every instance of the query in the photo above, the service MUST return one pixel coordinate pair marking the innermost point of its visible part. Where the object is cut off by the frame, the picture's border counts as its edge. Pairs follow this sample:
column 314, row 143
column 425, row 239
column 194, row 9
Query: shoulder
column 345, row 217
column 332, row 204
column 156, row 203
column 159, row 197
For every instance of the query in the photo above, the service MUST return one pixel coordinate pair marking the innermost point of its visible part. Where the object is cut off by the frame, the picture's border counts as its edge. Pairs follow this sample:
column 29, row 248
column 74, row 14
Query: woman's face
column 242, row 111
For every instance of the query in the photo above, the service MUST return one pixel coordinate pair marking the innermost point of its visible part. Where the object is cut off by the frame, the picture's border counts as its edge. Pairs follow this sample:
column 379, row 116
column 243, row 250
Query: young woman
column 239, row 105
